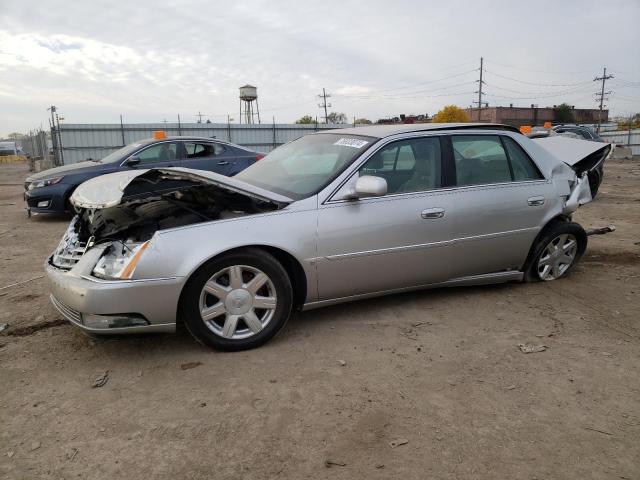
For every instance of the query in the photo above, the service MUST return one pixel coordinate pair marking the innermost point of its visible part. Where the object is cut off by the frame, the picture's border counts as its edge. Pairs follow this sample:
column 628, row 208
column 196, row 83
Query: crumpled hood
column 574, row 152
column 108, row 190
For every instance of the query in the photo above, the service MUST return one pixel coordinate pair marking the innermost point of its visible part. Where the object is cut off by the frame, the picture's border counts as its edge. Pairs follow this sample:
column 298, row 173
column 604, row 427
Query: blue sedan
column 49, row 191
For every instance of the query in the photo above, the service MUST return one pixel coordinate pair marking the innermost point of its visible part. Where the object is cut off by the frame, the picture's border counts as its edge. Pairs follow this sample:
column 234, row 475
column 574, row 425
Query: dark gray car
column 49, row 191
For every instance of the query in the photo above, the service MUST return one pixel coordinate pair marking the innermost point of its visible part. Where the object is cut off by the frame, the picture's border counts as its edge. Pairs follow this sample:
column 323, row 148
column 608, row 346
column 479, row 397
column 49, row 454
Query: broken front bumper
column 113, row 307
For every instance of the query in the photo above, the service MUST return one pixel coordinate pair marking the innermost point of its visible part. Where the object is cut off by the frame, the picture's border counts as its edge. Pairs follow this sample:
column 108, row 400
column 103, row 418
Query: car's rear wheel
column 238, row 301
column 557, row 251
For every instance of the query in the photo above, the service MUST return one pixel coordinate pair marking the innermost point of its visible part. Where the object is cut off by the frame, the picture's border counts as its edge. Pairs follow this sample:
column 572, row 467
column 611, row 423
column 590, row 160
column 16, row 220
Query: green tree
column 335, row 117
column 306, row 120
column 563, row 113
column 451, row 114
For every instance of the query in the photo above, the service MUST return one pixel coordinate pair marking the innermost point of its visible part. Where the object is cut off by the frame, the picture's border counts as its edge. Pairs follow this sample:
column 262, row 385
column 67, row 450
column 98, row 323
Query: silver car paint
column 350, row 248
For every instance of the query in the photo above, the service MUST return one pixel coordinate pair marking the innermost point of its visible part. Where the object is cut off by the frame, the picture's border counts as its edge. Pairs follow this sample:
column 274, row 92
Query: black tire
column 189, row 310
column 551, row 232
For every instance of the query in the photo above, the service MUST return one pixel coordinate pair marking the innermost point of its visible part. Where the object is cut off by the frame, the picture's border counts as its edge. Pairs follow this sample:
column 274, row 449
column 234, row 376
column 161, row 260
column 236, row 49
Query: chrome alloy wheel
column 557, row 257
column 238, row 302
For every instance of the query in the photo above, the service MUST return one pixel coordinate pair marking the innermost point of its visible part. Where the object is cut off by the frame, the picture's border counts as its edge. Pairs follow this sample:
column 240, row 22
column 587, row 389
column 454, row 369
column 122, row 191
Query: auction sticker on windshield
column 351, row 142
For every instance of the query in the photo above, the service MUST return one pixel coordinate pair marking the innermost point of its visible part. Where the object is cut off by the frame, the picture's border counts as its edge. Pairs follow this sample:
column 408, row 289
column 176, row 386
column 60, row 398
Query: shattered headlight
column 120, row 260
column 44, row 183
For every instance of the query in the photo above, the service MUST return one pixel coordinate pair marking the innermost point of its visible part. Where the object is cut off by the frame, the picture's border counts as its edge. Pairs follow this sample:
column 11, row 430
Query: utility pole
column 324, row 104
column 60, row 139
column 602, row 93
column 199, row 115
column 54, row 139
column 479, row 92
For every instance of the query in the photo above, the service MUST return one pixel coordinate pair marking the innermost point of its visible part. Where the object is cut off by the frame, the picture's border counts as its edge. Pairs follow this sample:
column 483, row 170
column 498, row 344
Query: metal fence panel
column 627, row 138
column 83, row 141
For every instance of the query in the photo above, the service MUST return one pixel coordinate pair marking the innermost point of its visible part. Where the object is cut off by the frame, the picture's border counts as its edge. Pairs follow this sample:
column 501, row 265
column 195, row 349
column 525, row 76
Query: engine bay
column 139, row 216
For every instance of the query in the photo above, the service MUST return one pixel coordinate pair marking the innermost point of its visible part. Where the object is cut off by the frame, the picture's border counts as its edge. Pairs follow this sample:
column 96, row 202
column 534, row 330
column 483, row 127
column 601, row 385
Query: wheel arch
column 561, row 218
column 554, row 220
column 289, row 262
column 67, row 199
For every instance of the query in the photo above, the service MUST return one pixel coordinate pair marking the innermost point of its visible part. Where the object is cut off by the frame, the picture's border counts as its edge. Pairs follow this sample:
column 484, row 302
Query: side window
column 162, row 152
column 585, row 134
column 408, row 165
column 480, row 159
column 523, row 167
column 406, row 158
column 203, row 150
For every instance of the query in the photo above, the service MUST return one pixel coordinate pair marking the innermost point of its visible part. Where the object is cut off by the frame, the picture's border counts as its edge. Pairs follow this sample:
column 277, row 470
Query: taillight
column 259, row 157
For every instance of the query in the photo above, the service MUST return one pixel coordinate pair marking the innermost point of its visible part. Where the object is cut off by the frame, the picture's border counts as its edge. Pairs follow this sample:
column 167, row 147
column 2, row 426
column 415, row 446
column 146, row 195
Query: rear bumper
column 76, row 295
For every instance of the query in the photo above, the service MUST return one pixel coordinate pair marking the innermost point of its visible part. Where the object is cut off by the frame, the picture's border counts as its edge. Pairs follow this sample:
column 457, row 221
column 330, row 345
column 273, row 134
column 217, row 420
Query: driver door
column 159, row 155
column 396, row 241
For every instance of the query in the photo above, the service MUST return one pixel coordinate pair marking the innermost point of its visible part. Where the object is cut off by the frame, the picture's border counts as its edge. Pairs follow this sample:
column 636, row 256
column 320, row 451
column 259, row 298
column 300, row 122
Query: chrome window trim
column 439, row 191
column 211, row 142
column 402, row 136
column 373, row 149
column 148, row 146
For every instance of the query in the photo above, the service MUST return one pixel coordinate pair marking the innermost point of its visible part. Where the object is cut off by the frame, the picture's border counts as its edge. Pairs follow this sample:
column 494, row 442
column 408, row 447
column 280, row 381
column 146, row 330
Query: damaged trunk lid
column 583, row 156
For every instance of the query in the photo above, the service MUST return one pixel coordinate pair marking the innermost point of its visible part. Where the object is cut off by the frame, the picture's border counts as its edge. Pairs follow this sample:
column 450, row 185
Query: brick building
column 518, row 116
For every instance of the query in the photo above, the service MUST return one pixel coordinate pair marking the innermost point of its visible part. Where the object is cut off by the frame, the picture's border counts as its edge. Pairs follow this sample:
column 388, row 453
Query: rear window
column 480, row 159
column 523, row 167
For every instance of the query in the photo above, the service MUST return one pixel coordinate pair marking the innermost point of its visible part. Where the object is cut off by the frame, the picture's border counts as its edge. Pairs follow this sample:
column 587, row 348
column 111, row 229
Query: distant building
column 518, row 116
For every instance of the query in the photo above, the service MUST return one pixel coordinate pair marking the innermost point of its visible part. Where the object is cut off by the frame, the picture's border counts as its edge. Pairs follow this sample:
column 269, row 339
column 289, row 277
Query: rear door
column 501, row 201
column 211, row 156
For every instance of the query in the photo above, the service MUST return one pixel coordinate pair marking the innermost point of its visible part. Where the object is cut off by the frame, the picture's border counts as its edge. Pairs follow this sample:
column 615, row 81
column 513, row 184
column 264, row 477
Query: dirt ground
column 438, row 371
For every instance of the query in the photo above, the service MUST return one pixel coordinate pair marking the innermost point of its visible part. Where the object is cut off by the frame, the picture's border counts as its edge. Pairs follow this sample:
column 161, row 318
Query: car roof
column 382, row 131
column 149, row 141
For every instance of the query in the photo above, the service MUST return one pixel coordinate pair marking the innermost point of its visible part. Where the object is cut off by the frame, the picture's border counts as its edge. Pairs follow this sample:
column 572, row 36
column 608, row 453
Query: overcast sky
column 152, row 60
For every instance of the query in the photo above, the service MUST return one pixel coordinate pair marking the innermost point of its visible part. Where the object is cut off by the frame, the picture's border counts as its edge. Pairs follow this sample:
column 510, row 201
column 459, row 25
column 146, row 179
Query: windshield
column 305, row 166
column 120, row 154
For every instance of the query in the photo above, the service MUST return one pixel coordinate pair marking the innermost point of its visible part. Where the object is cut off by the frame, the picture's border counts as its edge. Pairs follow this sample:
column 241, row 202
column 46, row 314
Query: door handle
column 535, row 201
column 432, row 213
column 223, row 162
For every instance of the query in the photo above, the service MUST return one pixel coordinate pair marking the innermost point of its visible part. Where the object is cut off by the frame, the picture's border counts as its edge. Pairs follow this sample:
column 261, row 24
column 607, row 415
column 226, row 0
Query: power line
column 426, row 82
column 538, row 84
column 324, row 105
column 602, row 93
column 537, row 71
column 413, row 94
column 536, row 96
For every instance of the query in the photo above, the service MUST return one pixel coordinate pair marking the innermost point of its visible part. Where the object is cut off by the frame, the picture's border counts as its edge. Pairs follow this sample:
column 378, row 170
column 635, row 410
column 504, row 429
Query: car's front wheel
column 557, row 251
column 238, row 301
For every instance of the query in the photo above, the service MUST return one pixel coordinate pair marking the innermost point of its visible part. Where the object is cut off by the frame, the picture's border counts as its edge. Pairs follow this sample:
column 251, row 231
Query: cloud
column 151, row 60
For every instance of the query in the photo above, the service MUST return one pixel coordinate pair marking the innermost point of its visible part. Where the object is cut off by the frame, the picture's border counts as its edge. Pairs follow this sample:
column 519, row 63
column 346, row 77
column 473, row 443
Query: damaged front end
column 121, row 212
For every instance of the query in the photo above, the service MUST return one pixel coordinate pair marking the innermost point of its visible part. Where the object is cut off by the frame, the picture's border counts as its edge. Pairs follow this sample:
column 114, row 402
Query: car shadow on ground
column 302, row 324
column 51, row 217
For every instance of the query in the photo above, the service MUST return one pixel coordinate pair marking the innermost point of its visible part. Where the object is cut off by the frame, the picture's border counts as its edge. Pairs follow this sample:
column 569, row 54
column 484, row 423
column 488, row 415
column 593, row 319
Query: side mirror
column 369, row 186
column 132, row 161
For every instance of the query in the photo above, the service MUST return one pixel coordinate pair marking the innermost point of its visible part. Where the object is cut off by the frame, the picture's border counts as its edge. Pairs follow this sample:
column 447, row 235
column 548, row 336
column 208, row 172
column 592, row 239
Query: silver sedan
column 331, row 217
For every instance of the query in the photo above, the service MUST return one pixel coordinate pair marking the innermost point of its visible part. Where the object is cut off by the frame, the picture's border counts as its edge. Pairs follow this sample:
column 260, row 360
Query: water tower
column 248, row 95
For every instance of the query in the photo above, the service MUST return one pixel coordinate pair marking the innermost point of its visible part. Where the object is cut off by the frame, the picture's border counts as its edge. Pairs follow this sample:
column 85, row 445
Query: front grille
column 70, row 249
column 67, row 312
